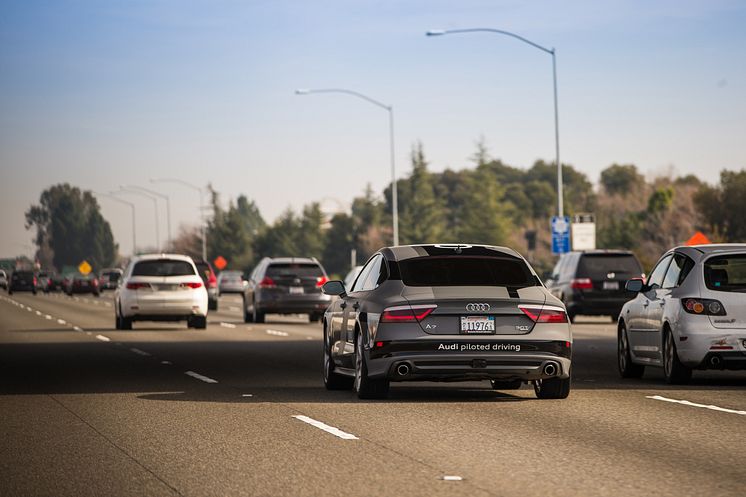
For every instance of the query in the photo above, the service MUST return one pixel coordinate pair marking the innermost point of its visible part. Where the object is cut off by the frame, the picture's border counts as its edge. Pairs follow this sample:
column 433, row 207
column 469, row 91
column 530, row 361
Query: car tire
column 212, row 305
column 258, row 316
column 248, row 317
column 627, row 369
column 506, row 384
column 365, row 387
column 199, row 322
column 315, row 317
column 553, row 388
column 126, row 323
column 571, row 315
column 33, row 292
column 673, row 370
column 333, row 380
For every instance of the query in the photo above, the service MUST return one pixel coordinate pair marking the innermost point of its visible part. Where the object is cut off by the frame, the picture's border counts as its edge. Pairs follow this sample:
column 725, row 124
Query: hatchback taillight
column 406, row 314
column 581, row 284
column 267, row 282
column 191, row 285
column 320, row 281
column 137, row 286
column 707, row 307
column 544, row 314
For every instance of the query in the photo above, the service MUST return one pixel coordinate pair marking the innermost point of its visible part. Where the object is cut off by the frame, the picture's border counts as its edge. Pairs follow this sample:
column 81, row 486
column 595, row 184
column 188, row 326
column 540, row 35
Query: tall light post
column 550, row 51
column 390, row 109
column 122, row 189
column 132, row 206
column 168, row 209
column 201, row 206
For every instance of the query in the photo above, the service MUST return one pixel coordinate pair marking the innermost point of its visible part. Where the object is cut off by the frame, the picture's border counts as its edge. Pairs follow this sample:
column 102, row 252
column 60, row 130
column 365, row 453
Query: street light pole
column 155, row 209
column 553, row 53
column 168, row 209
column 201, row 206
column 390, row 110
column 132, row 206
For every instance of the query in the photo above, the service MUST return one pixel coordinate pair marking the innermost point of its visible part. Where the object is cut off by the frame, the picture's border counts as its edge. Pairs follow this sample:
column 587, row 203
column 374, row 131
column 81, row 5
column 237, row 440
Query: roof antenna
column 458, row 249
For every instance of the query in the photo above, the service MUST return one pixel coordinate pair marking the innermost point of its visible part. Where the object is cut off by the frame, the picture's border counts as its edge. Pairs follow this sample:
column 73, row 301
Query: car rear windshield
column 466, row 271
column 300, row 270
column 23, row 274
column 163, row 267
column 598, row 266
column 726, row 273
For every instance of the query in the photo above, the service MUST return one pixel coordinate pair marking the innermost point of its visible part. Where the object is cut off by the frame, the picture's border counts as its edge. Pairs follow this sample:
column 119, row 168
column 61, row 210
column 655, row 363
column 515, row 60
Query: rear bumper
column 293, row 306
column 592, row 307
column 456, row 361
column 697, row 342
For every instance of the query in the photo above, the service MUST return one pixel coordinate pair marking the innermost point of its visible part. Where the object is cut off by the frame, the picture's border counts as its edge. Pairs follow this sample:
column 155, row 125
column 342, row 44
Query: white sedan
column 161, row 287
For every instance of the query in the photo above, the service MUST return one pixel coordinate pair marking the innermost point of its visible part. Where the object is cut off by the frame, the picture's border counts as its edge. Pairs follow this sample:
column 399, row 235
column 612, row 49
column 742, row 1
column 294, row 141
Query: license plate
column 166, row 287
column 477, row 324
column 611, row 285
column 295, row 290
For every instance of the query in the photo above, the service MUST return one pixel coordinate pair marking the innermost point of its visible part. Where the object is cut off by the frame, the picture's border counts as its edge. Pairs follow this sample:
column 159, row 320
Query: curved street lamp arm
column 348, row 92
column 491, row 30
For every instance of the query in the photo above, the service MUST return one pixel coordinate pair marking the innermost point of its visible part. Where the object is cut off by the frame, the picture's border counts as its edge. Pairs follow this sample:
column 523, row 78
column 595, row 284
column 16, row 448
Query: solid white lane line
column 200, row 377
column 103, row 338
column 227, row 325
column 61, row 321
column 139, row 352
column 277, row 333
column 323, row 426
column 694, row 404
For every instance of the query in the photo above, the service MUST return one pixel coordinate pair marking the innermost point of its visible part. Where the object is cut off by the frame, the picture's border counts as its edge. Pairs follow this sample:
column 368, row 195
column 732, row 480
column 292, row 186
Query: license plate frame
column 477, row 325
column 611, row 285
column 296, row 290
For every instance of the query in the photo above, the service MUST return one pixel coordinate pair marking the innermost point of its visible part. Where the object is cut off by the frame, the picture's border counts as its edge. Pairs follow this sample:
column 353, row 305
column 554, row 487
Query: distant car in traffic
column 592, row 282
column 351, row 275
column 3, row 279
column 231, row 282
column 42, row 280
column 161, row 287
column 210, row 281
column 109, row 278
column 446, row 313
column 22, row 281
column 55, row 283
column 285, row 285
column 81, row 283
column 689, row 314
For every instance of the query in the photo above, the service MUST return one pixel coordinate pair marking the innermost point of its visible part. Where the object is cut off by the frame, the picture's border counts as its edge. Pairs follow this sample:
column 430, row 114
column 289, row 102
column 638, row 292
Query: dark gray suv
column 285, row 285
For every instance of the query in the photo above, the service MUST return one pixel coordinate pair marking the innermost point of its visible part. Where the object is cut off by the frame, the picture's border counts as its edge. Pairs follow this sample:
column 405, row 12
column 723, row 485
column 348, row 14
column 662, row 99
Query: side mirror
column 634, row 285
column 334, row 287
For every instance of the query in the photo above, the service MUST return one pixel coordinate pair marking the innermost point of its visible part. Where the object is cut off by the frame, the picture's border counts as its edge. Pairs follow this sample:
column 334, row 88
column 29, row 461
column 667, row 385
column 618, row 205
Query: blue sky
column 101, row 94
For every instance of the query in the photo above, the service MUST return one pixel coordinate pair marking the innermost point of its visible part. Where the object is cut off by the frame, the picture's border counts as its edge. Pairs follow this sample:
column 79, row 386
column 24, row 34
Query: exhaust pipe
column 550, row 369
column 715, row 361
column 402, row 369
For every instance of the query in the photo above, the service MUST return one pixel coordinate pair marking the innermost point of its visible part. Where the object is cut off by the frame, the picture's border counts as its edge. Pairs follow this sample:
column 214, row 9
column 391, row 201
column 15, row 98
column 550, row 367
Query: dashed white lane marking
column 247, row 395
column 38, row 313
column 77, row 328
column 323, row 426
column 233, row 308
column 95, row 302
column 47, row 316
column 107, row 304
column 139, row 352
column 694, row 404
column 103, row 338
column 166, row 363
column 227, row 325
column 277, row 333
column 61, row 321
column 309, row 338
column 200, row 377
column 452, row 478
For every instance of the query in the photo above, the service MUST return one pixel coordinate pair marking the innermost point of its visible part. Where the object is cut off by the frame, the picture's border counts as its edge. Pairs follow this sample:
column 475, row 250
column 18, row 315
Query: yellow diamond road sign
column 84, row 267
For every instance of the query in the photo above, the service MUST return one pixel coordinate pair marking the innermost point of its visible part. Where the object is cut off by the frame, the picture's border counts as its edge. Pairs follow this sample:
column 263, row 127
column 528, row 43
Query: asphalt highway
column 240, row 409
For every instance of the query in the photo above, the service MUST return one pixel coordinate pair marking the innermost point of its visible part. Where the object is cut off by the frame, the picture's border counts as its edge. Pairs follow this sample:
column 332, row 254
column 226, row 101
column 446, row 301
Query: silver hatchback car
column 689, row 314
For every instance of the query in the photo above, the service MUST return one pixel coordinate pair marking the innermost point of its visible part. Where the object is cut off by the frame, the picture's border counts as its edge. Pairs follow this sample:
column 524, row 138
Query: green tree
column 622, row 179
column 721, row 205
column 68, row 222
column 231, row 232
column 483, row 214
column 423, row 216
column 338, row 245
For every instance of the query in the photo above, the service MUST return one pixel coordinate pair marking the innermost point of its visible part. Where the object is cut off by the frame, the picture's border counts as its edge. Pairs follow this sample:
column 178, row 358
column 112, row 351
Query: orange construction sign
column 220, row 262
column 698, row 238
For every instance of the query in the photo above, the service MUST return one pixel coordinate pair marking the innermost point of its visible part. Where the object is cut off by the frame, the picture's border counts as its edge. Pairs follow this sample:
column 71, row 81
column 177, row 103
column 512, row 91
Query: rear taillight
column 544, row 314
column 707, row 307
column 137, row 286
column 267, row 282
column 581, row 284
column 212, row 281
column 34, row 280
column 406, row 314
column 320, row 281
column 94, row 282
column 191, row 285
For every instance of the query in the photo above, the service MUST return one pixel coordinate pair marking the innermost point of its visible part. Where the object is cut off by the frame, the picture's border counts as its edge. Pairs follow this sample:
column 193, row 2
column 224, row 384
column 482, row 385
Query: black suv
column 592, row 282
column 22, row 281
column 285, row 285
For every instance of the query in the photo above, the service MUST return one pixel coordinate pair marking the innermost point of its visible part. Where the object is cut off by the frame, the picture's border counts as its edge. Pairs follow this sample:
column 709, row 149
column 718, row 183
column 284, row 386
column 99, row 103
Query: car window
column 466, row 271
column 677, row 271
column 655, row 280
column 599, row 266
column 373, row 276
column 360, row 281
column 726, row 273
column 295, row 270
column 163, row 267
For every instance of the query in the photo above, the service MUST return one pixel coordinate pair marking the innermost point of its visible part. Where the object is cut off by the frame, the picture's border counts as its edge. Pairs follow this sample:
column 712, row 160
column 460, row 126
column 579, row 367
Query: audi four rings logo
column 477, row 307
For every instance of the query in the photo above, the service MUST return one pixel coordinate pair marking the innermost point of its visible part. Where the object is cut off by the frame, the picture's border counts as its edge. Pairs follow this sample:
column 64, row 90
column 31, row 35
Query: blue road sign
column 560, row 234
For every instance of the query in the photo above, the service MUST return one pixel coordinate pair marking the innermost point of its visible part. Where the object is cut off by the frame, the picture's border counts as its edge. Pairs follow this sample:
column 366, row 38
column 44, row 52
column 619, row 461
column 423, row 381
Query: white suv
column 161, row 287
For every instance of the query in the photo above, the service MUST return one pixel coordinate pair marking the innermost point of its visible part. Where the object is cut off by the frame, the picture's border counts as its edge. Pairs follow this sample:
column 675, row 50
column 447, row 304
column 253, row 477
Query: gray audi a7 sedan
column 446, row 313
